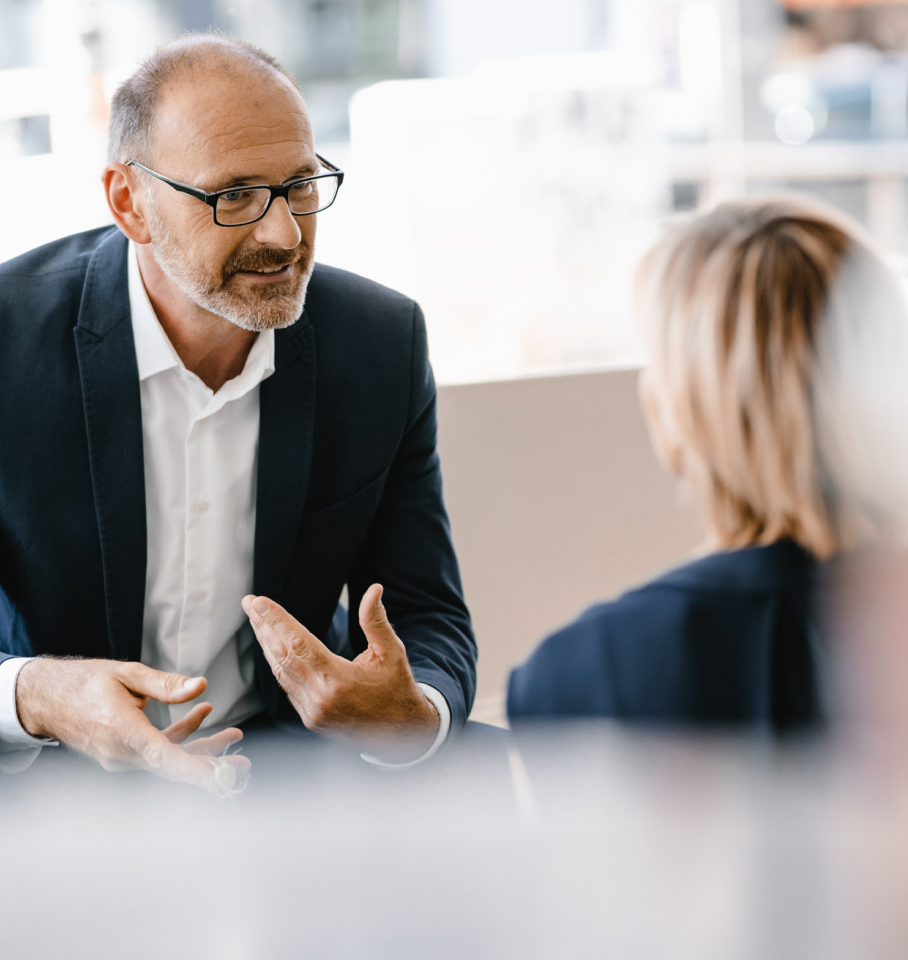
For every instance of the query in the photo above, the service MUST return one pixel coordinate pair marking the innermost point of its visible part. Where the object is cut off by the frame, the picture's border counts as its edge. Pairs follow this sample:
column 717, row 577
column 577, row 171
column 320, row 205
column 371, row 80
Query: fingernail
column 191, row 682
column 260, row 605
column 381, row 591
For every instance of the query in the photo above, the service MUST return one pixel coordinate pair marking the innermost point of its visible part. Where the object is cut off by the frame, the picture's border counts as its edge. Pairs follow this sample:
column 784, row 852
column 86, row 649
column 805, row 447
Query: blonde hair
column 745, row 389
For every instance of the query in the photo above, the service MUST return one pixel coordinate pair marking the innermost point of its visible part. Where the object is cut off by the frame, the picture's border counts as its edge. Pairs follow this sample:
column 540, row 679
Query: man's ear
column 124, row 197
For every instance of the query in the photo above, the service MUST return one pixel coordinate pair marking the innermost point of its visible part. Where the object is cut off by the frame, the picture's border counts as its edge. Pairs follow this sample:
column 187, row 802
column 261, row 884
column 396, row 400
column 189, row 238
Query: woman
column 777, row 362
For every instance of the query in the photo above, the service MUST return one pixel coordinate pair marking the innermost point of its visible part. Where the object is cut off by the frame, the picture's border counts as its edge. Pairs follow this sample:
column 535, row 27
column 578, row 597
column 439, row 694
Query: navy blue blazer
column 730, row 639
column 348, row 486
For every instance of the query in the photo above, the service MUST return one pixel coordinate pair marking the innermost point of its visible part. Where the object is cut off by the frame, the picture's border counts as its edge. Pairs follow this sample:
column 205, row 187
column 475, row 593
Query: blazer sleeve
column 409, row 550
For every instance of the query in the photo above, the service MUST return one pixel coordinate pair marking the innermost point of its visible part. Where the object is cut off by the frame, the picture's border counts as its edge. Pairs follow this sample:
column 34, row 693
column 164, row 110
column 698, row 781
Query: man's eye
column 233, row 195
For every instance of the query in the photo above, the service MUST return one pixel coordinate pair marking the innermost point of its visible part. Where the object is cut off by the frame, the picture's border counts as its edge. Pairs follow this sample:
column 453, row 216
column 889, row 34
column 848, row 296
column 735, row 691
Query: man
column 180, row 432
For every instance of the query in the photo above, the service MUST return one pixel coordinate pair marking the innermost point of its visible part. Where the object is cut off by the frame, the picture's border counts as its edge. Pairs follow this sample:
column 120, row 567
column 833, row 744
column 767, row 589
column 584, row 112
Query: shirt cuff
column 12, row 734
column 444, row 727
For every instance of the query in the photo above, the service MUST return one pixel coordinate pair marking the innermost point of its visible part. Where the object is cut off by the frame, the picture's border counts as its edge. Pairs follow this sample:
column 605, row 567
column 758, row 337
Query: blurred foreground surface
column 594, row 843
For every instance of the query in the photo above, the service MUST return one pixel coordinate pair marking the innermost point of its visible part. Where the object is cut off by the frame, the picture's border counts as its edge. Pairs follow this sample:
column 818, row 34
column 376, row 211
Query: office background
column 507, row 162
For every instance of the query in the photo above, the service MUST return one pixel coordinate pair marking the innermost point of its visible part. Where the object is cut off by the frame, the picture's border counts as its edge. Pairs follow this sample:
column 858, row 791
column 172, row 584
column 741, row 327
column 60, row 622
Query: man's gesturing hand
column 95, row 707
column 373, row 701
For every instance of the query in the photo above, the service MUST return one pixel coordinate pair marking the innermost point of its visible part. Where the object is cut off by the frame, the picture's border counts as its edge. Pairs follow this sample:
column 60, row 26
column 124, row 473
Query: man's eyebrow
column 307, row 170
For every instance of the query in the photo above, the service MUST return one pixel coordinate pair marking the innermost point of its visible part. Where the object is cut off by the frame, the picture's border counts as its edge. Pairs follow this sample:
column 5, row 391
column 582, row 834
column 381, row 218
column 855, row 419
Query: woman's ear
column 664, row 442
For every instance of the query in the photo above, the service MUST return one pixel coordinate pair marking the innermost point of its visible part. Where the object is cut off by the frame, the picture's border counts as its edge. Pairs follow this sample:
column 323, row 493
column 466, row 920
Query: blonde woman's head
column 775, row 337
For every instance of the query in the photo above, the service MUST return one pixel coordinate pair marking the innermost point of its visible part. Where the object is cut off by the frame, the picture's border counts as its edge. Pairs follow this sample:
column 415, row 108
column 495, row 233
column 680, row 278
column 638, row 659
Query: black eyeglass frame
column 280, row 191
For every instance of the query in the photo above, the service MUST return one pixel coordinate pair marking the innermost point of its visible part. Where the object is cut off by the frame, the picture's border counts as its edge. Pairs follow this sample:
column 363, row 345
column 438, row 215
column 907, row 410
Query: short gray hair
column 132, row 109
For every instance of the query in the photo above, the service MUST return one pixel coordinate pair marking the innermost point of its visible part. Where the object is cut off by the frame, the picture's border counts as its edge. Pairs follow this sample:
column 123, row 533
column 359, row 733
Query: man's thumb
column 166, row 687
column 373, row 618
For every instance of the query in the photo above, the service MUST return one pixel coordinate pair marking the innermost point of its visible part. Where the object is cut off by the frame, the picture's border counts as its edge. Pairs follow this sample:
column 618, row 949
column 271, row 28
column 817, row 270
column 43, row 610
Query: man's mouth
column 269, row 267
column 272, row 273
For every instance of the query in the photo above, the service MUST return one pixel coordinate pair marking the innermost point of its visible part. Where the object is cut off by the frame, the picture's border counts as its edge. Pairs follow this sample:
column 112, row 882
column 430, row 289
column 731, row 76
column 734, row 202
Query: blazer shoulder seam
column 75, row 268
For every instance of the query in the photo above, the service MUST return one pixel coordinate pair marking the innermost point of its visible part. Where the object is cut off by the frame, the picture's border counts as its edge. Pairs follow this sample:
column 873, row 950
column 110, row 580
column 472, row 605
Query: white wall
column 556, row 501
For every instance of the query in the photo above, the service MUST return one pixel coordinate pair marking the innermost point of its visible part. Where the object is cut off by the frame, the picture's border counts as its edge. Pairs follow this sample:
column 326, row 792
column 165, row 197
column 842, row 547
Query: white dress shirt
column 201, row 452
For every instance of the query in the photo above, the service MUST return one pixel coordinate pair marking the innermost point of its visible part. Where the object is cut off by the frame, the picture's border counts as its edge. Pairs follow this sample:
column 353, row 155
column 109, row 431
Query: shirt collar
column 155, row 353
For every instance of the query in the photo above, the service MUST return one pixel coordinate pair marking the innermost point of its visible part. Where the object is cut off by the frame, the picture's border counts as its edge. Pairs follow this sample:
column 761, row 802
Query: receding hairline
column 221, row 55
column 135, row 103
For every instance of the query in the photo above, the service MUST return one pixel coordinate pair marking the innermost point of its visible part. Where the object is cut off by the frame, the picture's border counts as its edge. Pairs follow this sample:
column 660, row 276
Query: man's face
column 219, row 132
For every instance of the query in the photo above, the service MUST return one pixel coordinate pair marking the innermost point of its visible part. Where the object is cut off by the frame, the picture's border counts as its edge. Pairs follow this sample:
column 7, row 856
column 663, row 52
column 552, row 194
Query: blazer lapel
column 286, row 422
column 113, row 421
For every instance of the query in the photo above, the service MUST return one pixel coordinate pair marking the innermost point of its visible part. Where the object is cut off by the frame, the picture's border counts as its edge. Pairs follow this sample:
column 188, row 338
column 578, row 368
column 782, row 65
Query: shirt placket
column 194, row 638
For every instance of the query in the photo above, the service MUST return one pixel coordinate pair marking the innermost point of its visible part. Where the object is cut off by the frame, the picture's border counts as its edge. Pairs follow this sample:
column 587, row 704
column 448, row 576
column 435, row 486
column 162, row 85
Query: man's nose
column 278, row 228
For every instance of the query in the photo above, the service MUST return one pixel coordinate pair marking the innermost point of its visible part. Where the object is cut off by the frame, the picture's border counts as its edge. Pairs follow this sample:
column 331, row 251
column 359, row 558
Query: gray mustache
column 262, row 259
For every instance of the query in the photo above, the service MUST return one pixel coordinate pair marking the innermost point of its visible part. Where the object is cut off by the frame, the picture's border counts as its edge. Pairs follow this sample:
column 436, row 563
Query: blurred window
column 24, row 137
column 544, row 144
column 19, row 33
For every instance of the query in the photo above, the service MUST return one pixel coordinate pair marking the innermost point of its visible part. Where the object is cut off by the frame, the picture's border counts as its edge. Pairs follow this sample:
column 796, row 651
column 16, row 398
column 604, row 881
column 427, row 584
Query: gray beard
column 271, row 310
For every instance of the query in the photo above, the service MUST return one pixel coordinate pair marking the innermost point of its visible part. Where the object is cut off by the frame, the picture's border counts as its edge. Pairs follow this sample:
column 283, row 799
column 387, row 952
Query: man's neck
column 212, row 348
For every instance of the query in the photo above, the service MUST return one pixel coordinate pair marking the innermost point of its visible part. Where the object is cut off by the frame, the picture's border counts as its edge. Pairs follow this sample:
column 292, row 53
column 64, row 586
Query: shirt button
column 199, row 595
column 200, row 506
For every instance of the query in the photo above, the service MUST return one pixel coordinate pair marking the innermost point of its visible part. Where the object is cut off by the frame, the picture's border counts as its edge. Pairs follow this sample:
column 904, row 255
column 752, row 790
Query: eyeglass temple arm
column 332, row 168
column 182, row 187
column 211, row 198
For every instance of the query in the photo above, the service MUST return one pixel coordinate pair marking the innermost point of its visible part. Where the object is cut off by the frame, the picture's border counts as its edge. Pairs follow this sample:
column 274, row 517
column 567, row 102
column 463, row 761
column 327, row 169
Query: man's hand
column 95, row 707
column 373, row 701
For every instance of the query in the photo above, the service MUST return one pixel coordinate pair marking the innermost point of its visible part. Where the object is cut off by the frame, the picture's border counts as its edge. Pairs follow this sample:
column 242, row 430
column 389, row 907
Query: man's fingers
column 166, row 687
column 281, row 635
column 156, row 753
column 216, row 744
column 178, row 731
column 373, row 618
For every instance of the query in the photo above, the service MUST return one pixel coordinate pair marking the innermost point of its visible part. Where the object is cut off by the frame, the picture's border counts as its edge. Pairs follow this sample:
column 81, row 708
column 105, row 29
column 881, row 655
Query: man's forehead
column 221, row 122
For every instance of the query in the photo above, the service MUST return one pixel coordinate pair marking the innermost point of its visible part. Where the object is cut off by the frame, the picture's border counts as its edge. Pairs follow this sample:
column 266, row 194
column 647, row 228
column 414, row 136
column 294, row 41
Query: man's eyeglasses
column 237, row 206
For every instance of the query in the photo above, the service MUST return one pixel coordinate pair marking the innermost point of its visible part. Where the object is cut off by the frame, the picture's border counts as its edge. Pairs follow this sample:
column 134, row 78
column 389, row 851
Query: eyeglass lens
column 244, row 205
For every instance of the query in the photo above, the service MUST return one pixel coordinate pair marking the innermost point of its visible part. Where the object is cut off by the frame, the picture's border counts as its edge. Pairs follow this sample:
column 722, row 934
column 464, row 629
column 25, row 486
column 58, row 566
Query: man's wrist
column 443, row 711
column 28, row 699
column 12, row 730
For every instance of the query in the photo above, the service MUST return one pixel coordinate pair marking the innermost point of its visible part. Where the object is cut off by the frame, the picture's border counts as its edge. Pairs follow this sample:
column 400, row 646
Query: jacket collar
column 779, row 565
